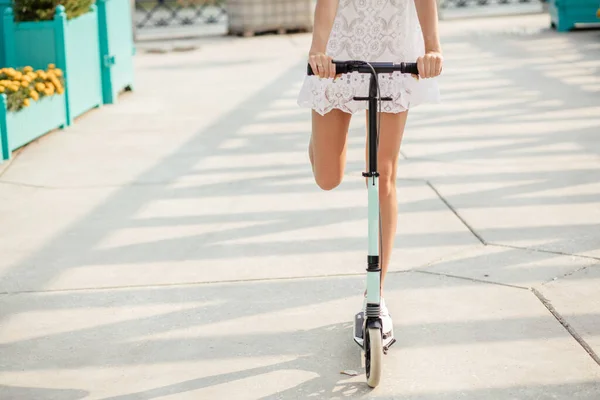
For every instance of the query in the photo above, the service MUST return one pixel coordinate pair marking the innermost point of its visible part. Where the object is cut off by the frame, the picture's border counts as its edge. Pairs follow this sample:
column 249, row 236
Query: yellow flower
column 1, row 89
column 51, row 66
column 60, row 90
column 26, row 103
column 58, row 72
column 50, row 74
column 13, row 88
column 34, row 95
column 41, row 74
column 40, row 87
column 27, row 69
column 24, row 83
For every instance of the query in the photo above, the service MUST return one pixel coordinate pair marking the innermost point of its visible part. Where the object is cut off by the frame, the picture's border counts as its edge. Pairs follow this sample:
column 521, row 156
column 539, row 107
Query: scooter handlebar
column 344, row 67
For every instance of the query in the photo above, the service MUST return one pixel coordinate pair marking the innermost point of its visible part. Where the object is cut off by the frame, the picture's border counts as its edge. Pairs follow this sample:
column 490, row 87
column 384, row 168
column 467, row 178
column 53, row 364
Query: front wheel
column 373, row 356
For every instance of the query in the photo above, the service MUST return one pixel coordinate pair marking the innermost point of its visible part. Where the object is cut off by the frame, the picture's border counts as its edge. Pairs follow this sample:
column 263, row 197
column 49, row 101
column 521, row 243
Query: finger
column 431, row 69
column 319, row 70
column 327, row 66
column 439, row 65
column 320, row 66
column 313, row 64
column 331, row 68
column 427, row 67
column 421, row 67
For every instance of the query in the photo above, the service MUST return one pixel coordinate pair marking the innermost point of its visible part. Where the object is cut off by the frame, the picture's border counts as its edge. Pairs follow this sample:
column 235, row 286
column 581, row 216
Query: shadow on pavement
column 26, row 393
column 108, row 343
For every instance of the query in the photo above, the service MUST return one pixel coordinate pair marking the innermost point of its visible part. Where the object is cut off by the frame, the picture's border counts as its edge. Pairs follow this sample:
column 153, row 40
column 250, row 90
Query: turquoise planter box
column 4, row 4
column 21, row 127
column 116, row 47
column 565, row 14
column 72, row 45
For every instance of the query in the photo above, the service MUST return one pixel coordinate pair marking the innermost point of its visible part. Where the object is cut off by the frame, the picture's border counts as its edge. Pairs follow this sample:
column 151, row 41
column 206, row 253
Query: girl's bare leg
column 327, row 148
column 390, row 137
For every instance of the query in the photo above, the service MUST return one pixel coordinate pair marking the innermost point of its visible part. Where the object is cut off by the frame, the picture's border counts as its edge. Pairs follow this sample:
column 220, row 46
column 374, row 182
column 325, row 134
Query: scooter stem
column 373, row 260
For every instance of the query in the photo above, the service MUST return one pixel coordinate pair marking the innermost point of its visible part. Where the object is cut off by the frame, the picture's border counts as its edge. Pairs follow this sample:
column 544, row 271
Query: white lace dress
column 372, row 30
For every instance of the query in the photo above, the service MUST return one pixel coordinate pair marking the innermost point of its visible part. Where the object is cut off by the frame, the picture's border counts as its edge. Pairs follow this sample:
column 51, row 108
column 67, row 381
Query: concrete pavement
column 174, row 246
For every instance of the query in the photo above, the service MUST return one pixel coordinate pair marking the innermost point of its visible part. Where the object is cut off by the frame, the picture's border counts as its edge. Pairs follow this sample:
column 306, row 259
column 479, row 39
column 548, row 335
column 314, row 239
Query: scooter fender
column 374, row 323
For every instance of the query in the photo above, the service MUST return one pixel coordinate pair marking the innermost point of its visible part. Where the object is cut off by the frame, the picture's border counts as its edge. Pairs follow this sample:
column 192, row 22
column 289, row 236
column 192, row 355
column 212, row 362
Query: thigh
column 329, row 143
column 391, row 131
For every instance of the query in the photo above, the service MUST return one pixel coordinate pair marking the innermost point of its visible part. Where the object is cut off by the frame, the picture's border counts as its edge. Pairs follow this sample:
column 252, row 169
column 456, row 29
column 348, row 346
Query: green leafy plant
column 24, row 85
column 43, row 10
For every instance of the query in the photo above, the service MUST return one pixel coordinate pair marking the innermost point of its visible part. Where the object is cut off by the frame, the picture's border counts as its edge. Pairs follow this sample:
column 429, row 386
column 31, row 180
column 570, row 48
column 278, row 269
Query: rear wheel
column 373, row 356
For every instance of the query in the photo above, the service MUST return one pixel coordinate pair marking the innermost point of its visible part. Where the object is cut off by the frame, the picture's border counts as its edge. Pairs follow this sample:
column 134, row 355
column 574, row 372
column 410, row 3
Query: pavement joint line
column 464, row 222
column 9, row 162
column 228, row 281
column 566, row 325
column 86, row 187
column 197, row 283
column 445, row 257
column 439, row 160
column 557, row 278
column 559, row 253
column 466, row 278
column 131, row 184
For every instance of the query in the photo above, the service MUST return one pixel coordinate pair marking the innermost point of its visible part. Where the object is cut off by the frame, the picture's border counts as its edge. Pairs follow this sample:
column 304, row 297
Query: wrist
column 318, row 44
column 432, row 44
column 317, row 49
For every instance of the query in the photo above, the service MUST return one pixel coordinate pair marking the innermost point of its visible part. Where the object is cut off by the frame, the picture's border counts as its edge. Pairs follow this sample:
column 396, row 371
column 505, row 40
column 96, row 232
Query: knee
column 387, row 179
column 328, row 182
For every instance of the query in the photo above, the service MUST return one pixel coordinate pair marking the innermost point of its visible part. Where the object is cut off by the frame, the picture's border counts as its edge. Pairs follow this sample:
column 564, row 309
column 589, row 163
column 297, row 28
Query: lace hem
column 323, row 95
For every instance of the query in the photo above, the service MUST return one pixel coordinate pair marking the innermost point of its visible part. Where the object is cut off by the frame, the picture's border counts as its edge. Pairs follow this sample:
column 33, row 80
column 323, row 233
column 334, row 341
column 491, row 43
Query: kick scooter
column 368, row 333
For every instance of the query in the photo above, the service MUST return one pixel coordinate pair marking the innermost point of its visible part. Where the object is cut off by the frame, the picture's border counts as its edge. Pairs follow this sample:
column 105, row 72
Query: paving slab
column 166, row 124
column 243, row 229
column 510, row 266
column 228, row 196
column 575, row 298
column 288, row 339
column 514, row 148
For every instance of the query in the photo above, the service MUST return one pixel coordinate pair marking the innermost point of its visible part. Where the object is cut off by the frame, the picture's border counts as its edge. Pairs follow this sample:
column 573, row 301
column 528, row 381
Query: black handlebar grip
column 340, row 68
column 410, row 68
